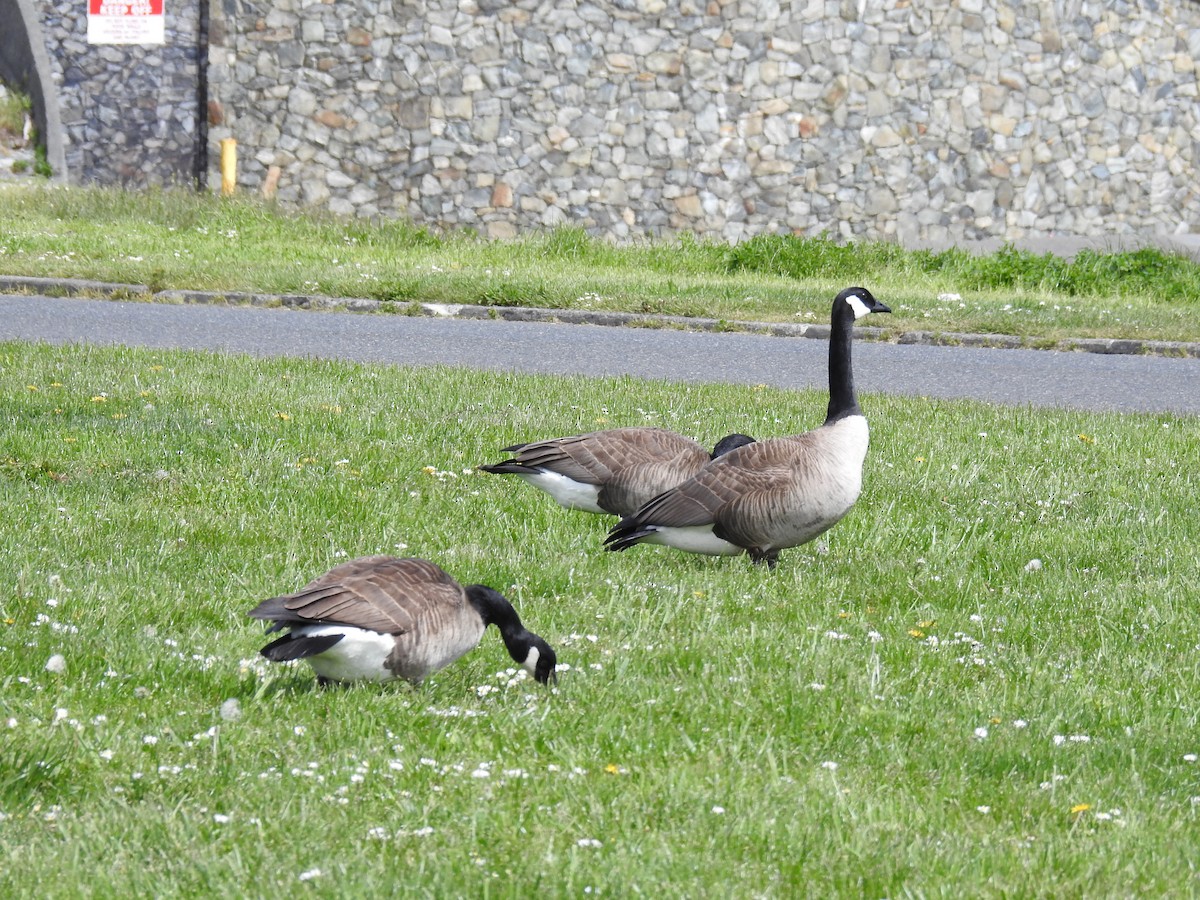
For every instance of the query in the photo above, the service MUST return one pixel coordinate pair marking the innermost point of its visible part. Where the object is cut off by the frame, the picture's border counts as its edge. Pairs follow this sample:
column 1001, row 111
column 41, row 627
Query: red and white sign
column 125, row 22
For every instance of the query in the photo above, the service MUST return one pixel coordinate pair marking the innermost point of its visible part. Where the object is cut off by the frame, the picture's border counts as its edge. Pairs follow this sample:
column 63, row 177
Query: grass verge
column 178, row 239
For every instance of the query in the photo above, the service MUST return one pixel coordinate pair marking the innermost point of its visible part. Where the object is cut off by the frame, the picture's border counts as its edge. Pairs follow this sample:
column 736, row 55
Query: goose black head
column 731, row 442
column 861, row 302
column 540, row 661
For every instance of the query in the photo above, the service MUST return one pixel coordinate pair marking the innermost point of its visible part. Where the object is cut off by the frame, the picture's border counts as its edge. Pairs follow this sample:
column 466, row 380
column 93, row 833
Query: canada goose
column 379, row 618
column 774, row 493
column 613, row 471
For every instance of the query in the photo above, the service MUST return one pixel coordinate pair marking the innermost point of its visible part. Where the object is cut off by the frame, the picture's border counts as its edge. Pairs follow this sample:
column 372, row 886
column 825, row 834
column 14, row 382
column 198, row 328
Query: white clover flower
column 830, row 765
column 309, row 875
column 231, row 710
column 981, row 732
column 718, row 810
column 150, row 739
column 588, row 842
column 983, row 809
column 221, row 818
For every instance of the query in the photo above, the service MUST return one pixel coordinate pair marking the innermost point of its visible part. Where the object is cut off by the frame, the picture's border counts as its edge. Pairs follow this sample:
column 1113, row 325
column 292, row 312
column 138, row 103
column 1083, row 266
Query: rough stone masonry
column 935, row 121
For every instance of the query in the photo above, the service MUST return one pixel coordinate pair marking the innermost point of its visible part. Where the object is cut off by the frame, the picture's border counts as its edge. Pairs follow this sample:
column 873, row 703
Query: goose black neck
column 494, row 609
column 842, row 401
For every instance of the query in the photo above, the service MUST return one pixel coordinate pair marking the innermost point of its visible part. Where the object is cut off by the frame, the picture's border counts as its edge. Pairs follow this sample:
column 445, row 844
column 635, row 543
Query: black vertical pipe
column 200, row 157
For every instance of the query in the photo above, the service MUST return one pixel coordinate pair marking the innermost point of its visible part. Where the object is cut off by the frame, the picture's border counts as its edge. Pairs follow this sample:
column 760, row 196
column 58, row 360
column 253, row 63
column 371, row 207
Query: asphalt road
column 1086, row 381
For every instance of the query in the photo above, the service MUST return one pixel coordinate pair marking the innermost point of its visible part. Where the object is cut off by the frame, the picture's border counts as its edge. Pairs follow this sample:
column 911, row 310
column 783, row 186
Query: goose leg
column 768, row 557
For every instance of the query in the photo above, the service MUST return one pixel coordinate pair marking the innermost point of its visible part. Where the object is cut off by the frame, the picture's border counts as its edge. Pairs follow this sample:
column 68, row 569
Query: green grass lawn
column 182, row 240
column 982, row 682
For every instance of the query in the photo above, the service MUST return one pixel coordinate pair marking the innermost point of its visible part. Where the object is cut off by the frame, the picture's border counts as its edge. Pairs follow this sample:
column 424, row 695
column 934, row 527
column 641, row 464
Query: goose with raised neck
column 776, row 493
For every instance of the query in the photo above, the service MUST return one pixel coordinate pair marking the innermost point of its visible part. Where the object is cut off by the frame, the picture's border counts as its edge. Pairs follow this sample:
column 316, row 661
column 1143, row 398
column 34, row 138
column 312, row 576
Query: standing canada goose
column 772, row 494
column 613, row 471
column 379, row 618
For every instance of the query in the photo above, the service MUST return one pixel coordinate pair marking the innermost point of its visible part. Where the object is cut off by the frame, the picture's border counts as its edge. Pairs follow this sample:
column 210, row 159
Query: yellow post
column 228, row 166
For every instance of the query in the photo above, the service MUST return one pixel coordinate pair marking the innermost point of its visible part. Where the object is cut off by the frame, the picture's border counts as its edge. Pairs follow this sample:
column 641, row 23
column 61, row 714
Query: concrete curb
column 58, row 287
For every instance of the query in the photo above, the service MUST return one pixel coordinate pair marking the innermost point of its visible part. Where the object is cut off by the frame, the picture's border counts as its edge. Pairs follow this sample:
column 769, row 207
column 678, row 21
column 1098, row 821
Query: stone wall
column 129, row 114
column 965, row 119
column 960, row 119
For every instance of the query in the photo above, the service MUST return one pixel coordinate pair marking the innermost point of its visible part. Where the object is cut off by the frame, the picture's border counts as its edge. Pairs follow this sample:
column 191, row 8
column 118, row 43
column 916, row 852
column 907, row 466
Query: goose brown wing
column 632, row 487
column 378, row 593
column 600, row 456
column 744, row 478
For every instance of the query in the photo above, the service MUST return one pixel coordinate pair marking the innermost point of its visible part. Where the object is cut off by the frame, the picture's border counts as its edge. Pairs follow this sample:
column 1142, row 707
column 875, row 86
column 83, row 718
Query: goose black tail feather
column 290, row 647
column 508, row 467
column 626, row 533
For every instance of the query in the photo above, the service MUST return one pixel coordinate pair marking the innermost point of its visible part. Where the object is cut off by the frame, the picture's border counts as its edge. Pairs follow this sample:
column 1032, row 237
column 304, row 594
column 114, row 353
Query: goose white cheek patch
column 860, row 308
column 531, row 661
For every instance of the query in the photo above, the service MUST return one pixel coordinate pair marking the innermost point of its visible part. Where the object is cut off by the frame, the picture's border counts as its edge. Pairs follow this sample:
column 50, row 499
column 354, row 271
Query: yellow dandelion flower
column 1086, row 439
column 70, row 440
column 928, row 623
column 612, row 769
column 1080, row 808
column 429, row 470
column 32, row 387
column 119, row 415
column 920, row 459
column 145, row 393
column 698, row 594
column 156, row 368
column 916, row 632
column 995, row 720
column 56, row 384
column 842, row 614
column 284, row 416
column 100, row 398
column 602, row 421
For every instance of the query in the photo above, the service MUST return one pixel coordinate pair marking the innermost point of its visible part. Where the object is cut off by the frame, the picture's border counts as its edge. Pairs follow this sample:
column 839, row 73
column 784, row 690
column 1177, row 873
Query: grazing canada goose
column 613, row 471
column 775, row 493
column 379, row 618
